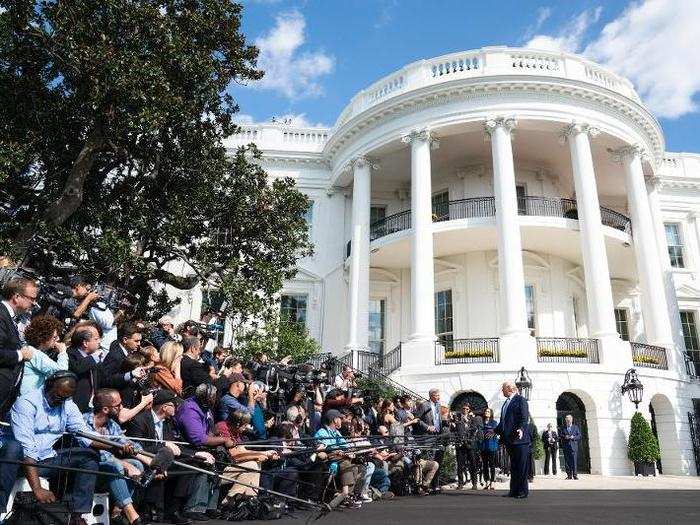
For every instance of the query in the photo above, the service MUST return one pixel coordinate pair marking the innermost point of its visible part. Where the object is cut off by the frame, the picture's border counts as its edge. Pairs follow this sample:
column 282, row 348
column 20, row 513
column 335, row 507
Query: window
column 376, row 213
column 690, row 338
column 675, row 245
column 520, row 193
column 293, row 309
column 530, row 308
column 441, row 206
column 377, row 320
column 443, row 316
column 621, row 323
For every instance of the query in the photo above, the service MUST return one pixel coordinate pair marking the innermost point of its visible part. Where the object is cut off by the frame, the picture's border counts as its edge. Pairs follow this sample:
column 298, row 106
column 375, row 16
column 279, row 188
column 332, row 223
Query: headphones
column 56, row 376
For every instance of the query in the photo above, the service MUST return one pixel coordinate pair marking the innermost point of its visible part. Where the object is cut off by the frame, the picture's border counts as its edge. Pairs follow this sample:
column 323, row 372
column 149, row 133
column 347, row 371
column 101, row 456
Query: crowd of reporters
column 155, row 392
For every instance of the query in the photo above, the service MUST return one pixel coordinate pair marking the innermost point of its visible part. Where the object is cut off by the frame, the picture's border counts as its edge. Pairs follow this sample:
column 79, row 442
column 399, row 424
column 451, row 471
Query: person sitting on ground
column 43, row 336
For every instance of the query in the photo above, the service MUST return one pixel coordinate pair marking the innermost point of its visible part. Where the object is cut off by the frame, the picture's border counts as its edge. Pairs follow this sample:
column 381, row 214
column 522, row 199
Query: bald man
column 513, row 429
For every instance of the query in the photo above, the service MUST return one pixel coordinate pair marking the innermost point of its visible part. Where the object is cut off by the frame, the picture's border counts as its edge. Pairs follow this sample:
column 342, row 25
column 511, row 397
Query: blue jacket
column 515, row 418
column 570, row 437
column 490, row 444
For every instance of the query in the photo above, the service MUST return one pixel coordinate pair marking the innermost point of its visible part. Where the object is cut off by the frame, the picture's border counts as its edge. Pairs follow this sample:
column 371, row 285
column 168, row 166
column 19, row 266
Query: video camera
column 53, row 295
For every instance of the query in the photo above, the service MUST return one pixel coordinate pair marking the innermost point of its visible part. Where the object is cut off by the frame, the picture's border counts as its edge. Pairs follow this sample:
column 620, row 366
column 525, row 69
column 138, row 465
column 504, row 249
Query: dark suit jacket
column 89, row 374
column 545, row 440
column 193, row 374
column 112, row 362
column 143, row 426
column 424, row 413
column 11, row 366
column 516, row 418
column 575, row 436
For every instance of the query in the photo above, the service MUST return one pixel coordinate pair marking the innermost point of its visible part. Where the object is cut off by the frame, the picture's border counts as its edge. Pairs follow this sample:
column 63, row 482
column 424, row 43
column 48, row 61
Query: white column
column 422, row 272
column 599, row 297
column 657, row 324
column 510, row 258
column 359, row 255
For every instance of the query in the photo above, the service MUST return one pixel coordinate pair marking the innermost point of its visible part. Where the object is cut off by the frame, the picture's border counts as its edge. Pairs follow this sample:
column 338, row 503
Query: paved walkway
column 591, row 482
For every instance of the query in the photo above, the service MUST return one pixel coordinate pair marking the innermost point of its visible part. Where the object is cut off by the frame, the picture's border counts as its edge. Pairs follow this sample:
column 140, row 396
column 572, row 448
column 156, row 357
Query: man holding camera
column 84, row 305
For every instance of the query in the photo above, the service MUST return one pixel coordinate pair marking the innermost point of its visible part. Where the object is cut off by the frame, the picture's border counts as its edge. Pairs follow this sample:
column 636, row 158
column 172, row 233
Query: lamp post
column 524, row 383
column 633, row 387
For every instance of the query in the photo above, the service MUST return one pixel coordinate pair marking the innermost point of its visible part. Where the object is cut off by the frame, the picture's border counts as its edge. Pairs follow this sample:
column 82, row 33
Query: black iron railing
column 393, row 223
column 366, row 360
column 460, row 351
column 389, row 361
column 694, row 428
column 649, row 356
column 486, row 207
column 567, row 350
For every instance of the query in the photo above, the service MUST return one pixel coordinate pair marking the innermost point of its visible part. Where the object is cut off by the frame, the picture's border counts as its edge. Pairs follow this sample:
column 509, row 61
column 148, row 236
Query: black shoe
column 178, row 518
column 520, row 496
column 507, row 496
column 214, row 514
column 196, row 516
column 575, row 476
column 569, row 477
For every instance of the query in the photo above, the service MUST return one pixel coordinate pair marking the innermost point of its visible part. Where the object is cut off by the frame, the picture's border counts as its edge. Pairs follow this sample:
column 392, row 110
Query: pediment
column 688, row 291
column 306, row 275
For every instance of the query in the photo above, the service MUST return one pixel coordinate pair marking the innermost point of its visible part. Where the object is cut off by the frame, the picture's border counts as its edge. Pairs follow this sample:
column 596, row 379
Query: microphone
column 160, row 463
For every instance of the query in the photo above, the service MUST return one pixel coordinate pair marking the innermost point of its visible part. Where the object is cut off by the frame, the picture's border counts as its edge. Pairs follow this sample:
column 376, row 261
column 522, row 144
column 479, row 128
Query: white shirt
column 504, row 409
column 158, row 424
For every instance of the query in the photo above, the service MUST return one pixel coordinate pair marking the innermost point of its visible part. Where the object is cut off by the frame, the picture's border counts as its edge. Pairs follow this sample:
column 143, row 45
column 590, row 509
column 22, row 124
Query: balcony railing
column 567, row 350
column 485, row 207
column 460, row 351
column 389, row 361
column 649, row 356
column 367, row 360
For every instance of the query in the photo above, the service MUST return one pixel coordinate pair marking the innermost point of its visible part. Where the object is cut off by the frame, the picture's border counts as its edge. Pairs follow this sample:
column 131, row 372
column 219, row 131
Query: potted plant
column 643, row 448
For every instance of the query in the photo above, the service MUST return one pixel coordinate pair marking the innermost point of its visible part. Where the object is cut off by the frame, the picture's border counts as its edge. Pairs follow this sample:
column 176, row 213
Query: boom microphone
column 160, row 463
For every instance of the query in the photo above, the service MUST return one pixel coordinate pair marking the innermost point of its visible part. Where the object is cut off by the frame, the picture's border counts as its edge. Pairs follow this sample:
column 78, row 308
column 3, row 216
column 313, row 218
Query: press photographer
column 88, row 303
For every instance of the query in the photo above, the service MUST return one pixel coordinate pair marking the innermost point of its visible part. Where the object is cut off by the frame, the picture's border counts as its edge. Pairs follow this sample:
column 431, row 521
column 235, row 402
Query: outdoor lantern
column 633, row 387
column 524, row 383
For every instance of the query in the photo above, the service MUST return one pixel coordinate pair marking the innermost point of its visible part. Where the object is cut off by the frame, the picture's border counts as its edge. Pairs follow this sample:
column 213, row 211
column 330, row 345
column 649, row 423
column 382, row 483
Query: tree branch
column 72, row 196
column 186, row 282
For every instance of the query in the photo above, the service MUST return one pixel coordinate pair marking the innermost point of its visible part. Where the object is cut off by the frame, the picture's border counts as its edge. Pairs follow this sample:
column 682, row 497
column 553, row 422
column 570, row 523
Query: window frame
column 676, row 247
column 296, row 297
column 445, row 335
column 533, row 329
column 620, row 322
column 383, row 316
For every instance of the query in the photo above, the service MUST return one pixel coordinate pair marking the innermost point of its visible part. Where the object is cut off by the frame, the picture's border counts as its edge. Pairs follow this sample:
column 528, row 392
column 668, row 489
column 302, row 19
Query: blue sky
column 319, row 53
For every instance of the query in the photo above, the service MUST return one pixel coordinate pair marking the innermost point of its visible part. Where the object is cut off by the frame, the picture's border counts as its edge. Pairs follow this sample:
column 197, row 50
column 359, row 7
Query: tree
column 278, row 338
column 643, row 446
column 112, row 120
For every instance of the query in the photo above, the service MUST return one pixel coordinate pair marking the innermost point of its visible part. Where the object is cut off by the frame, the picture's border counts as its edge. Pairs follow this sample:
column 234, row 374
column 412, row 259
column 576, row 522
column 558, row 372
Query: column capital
column 627, row 153
column 362, row 161
column 421, row 135
column 508, row 123
column 576, row 128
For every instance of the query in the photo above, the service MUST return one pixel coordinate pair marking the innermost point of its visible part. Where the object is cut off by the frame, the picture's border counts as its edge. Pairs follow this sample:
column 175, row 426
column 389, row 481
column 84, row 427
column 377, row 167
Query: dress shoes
column 520, row 496
column 575, row 476
column 178, row 518
column 196, row 516
column 507, row 496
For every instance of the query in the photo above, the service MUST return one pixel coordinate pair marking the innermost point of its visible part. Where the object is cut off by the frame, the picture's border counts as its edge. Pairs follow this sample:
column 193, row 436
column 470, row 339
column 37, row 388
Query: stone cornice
column 270, row 159
column 677, row 183
column 553, row 90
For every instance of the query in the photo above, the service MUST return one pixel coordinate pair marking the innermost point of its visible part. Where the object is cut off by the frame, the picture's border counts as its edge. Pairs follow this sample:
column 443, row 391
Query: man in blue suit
column 513, row 429
column 570, row 436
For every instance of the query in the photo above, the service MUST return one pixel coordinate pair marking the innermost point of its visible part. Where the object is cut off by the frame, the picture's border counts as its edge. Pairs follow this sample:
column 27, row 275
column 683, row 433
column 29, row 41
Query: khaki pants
column 244, row 475
column 426, row 470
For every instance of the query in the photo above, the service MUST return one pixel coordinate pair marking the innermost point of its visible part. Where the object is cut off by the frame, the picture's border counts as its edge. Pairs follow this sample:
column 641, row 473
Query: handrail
column 461, row 351
column 474, row 207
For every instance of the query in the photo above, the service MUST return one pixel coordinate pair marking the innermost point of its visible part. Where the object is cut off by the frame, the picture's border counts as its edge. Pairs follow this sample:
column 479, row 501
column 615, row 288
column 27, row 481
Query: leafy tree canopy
column 112, row 117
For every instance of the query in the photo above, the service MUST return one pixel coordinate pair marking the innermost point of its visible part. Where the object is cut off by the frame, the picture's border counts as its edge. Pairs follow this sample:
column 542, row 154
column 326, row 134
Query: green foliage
column 643, row 446
column 448, row 467
column 537, row 445
column 377, row 388
column 279, row 339
column 112, row 120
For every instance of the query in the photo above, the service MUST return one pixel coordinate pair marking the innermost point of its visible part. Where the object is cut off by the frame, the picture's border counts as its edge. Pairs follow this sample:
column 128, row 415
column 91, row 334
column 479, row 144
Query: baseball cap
column 237, row 377
column 165, row 396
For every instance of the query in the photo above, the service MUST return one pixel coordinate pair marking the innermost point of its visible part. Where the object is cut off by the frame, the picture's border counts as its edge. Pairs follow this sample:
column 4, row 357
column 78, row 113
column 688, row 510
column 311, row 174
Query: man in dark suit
column 158, row 424
column 85, row 361
column 18, row 297
column 514, row 432
column 550, row 441
column 429, row 423
column 570, row 436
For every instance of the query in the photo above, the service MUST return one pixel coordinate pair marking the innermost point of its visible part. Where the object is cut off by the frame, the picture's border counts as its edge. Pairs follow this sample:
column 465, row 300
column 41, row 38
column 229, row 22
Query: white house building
column 502, row 208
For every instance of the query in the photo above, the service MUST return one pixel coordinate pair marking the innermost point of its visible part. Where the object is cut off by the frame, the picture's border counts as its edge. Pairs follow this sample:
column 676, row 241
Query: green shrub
column 537, row 445
column 643, row 446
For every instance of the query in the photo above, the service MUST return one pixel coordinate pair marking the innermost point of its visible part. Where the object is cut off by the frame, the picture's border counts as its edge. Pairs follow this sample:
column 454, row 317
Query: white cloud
column 243, row 118
column 654, row 43
column 298, row 120
column 287, row 71
column 543, row 14
column 386, row 14
column 570, row 36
